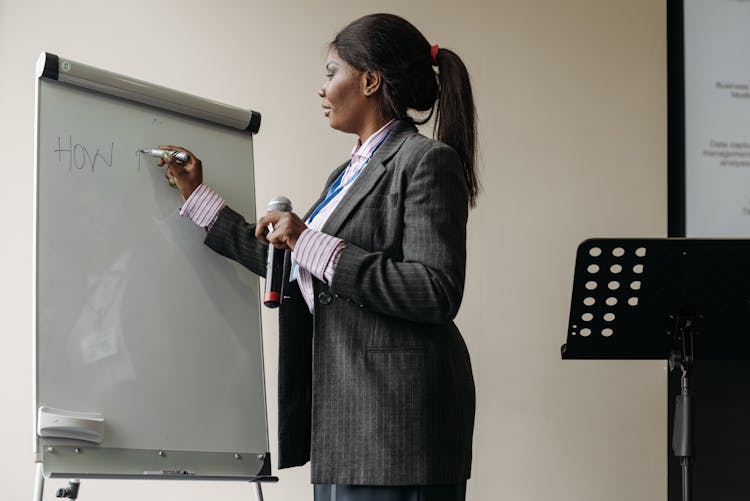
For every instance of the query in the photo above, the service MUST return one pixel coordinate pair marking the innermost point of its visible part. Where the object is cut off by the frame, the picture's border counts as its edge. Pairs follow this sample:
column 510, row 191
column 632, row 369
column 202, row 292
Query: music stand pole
column 682, row 357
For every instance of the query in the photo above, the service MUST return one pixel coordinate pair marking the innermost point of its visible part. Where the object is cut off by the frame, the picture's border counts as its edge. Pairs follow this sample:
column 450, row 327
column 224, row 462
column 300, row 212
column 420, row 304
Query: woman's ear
column 371, row 82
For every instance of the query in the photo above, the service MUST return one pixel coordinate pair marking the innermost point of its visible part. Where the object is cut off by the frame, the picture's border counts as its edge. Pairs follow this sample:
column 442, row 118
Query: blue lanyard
column 334, row 190
column 337, row 185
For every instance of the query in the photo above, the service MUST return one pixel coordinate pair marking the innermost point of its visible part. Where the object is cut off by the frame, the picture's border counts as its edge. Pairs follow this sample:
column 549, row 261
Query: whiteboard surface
column 135, row 317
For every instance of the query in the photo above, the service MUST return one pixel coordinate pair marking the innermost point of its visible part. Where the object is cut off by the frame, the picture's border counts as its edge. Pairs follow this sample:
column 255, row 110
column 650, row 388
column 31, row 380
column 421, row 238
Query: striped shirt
column 315, row 253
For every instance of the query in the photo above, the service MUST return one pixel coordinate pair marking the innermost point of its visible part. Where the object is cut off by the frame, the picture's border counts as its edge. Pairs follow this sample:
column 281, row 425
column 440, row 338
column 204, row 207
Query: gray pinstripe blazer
column 377, row 388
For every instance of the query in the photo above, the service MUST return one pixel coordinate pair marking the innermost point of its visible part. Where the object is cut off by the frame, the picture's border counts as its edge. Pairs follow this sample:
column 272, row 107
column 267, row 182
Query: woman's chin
column 333, row 123
column 331, row 120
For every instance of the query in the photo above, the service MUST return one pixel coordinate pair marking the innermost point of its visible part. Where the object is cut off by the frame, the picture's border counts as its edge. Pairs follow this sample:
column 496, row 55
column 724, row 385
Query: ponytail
column 455, row 117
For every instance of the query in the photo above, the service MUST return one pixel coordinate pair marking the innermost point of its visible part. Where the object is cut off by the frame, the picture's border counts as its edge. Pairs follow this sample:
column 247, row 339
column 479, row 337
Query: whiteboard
column 136, row 318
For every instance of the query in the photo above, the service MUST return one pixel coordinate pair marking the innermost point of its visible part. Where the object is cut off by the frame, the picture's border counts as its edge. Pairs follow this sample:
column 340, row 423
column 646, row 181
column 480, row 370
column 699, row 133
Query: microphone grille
column 281, row 203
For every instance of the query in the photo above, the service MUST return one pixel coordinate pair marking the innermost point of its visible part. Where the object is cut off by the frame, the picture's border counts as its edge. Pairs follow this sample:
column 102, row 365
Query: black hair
column 394, row 48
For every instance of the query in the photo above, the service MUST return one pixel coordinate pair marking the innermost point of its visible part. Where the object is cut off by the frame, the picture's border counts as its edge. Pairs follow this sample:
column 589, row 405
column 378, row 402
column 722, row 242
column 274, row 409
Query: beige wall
column 572, row 104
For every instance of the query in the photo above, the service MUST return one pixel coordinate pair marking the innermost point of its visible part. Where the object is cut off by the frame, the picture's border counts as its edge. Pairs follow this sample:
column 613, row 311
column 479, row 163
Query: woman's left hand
column 287, row 227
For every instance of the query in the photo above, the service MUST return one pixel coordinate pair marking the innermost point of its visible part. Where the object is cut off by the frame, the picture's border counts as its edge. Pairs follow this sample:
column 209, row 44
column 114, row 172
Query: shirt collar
column 364, row 150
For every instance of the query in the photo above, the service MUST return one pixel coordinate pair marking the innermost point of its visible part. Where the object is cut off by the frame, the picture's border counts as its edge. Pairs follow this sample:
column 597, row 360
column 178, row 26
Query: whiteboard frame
column 106, row 82
column 65, row 458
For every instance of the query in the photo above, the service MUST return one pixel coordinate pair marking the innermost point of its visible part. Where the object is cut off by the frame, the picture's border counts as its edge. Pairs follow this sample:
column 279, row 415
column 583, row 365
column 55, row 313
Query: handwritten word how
column 78, row 157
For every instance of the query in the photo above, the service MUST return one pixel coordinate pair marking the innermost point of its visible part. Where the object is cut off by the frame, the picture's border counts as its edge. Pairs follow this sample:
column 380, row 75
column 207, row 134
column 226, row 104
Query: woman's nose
column 322, row 92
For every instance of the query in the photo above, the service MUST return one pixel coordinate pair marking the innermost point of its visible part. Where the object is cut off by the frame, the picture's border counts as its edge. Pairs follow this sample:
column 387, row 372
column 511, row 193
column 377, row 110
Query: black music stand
column 675, row 299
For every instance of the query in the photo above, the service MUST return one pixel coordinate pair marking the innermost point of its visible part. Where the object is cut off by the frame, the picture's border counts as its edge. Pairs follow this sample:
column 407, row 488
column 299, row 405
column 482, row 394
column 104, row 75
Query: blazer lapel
column 369, row 177
column 329, row 182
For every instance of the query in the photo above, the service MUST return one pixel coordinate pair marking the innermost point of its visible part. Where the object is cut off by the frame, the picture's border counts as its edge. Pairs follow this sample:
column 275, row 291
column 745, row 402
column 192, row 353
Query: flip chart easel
column 148, row 346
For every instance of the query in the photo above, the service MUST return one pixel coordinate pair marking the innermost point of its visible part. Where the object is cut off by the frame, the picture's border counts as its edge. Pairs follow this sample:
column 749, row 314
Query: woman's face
column 343, row 94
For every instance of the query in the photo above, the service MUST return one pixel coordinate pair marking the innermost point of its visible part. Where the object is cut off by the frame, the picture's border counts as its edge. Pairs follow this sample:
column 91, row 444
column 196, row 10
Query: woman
column 375, row 383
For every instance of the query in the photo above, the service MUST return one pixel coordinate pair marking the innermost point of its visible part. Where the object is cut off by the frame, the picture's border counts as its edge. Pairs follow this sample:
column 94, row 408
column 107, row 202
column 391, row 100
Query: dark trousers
column 435, row 492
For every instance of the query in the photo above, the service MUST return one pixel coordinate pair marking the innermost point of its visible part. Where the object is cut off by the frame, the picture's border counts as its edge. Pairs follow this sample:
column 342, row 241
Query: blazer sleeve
column 233, row 237
column 427, row 285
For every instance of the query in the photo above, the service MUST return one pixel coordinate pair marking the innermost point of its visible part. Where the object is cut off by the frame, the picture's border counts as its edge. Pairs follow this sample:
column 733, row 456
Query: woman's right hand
column 187, row 176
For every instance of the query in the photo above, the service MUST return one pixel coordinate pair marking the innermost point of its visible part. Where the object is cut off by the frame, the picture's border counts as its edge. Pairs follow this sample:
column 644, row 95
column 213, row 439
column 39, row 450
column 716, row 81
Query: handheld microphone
column 277, row 272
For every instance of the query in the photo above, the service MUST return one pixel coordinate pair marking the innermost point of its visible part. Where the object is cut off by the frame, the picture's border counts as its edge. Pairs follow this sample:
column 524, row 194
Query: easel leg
column 39, row 482
column 70, row 492
column 258, row 491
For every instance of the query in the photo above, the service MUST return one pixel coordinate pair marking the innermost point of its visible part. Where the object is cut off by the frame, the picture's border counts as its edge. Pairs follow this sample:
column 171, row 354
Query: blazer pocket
column 396, row 384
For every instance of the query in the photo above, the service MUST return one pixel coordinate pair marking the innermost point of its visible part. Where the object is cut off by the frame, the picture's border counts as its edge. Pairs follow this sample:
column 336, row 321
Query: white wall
column 572, row 106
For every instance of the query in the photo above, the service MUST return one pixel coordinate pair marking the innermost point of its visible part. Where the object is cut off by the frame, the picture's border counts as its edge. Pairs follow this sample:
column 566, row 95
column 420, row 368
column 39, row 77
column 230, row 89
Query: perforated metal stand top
column 629, row 293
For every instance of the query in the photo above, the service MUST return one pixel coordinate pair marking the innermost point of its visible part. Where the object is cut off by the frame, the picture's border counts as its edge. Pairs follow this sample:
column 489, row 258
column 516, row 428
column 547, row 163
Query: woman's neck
column 371, row 128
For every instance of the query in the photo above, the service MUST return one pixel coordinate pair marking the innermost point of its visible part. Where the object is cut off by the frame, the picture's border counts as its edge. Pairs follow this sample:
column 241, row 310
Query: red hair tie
column 434, row 53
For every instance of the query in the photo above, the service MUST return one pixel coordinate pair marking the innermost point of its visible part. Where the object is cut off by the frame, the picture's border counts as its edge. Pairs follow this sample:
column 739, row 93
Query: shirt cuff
column 203, row 206
column 318, row 253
